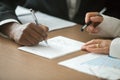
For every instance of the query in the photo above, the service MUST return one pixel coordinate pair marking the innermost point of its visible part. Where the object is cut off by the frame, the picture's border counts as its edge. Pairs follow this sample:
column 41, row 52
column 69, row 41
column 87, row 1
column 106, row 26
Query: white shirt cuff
column 109, row 27
column 115, row 48
column 7, row 21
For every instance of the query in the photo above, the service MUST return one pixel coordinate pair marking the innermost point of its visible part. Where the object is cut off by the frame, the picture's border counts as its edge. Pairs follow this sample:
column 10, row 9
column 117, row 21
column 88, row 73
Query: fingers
column 33, row 36
column 89, row 15
column 91, row 47
column 28, row 40
column 45, row 28
column 91, row 29
column 40, row 31
column 96, row 50
column 94, row 41
column 97, row 46
column 96, row 20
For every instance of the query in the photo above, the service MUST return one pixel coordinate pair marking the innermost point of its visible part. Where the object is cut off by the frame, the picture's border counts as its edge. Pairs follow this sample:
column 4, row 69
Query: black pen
column 36, row 21
column 90, row 22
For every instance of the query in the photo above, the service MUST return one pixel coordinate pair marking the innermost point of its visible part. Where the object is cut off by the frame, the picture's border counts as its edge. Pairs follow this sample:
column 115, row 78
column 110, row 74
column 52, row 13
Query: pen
column 36, row 21
column 87, row 24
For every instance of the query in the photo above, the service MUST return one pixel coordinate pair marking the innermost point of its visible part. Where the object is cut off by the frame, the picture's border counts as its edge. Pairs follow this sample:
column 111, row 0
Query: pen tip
column 82, row 30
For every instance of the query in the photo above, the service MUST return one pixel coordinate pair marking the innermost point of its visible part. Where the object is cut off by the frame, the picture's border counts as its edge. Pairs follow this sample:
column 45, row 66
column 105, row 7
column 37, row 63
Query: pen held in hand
column 36, row 21
column 87, row 24
column 34, row 17
column 90, row 22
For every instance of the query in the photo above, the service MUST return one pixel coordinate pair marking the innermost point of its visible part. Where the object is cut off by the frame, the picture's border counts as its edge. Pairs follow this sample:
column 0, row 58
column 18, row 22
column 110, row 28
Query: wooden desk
column 20, row 65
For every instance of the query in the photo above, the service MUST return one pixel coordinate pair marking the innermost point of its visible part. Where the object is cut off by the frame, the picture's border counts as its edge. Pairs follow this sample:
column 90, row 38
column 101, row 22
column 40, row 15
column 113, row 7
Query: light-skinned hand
column 97, row 46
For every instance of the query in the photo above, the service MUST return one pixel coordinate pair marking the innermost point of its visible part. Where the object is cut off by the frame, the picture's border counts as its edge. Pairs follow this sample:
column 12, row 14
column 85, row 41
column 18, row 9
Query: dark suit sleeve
column 7, row 9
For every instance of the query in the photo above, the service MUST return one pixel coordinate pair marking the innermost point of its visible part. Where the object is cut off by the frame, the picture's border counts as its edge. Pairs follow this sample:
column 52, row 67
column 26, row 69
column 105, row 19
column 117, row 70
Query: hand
column 96, row 20
column 26, row 34
column 97, row 46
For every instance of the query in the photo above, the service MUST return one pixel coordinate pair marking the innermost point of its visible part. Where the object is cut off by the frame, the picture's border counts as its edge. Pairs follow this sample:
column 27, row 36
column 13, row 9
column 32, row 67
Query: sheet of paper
column 57, row 46
column 20, row 11
column 52, row 22
column 98, row 65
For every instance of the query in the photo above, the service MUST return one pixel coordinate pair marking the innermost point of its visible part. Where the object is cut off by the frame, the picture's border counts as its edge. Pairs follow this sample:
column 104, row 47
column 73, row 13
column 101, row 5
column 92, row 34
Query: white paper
column 52, row 22
column 98, row 65
column 20, row 11
column 57, row 46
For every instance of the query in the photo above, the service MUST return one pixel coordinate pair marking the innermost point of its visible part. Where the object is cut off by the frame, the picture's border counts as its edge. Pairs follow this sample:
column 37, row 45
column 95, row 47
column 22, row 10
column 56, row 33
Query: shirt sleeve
column 7, row 21
column 110, row 27
column 115, row 48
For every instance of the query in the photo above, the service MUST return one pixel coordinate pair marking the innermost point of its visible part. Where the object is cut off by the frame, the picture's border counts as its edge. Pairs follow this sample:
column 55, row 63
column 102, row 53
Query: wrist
column 9, row 29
